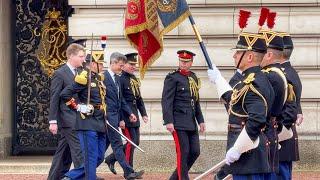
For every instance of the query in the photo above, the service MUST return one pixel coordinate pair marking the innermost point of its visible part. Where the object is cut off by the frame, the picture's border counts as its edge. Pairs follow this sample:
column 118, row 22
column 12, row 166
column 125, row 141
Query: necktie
column 116, row 81
column 75, row 71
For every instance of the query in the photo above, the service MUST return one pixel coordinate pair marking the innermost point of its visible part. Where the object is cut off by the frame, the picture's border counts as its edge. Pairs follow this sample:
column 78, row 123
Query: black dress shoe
column 110, row 165
column 135, row 175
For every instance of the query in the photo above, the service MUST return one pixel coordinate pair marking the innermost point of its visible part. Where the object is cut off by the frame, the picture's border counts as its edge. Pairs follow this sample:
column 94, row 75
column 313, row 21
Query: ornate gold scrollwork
column 51, row 52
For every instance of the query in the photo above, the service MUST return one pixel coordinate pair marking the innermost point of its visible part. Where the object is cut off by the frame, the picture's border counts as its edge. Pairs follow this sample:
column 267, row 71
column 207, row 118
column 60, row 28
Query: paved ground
column 148, row 176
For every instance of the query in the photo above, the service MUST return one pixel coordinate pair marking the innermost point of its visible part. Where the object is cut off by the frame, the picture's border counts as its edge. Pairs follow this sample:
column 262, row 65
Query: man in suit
column 116, row 104
column 182, row 113
column 62, row 118
column 130, row 86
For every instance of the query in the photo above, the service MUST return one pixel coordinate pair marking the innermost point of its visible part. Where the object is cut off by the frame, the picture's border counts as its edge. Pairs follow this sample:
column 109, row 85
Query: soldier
column 236, row 78
column 289, row 150
column 249, row 102
column 271, row 67
column 90, row 124
column 182, row 113
column 132, row 95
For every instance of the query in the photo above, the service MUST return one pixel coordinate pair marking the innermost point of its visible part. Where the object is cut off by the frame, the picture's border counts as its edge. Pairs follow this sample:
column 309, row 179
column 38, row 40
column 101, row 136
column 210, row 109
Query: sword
column 214, row 168
column 124, row 136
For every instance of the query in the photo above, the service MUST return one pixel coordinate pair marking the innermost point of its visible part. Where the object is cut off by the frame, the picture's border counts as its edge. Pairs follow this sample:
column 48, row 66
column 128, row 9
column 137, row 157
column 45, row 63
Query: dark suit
column 68, row 149
column 130, row 87
column 116, row 104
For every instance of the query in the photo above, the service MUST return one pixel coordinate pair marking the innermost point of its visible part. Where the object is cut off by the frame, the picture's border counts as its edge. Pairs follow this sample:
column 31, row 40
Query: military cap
column 251, row 42
column 273, row 39
column 287, row 41
column 132, row 58
column 185, row 55
column 97, row 56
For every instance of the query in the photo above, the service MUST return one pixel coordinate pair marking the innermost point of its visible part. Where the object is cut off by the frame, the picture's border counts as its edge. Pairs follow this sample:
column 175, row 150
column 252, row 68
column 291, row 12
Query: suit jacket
column 59, row 111
column 115, row 102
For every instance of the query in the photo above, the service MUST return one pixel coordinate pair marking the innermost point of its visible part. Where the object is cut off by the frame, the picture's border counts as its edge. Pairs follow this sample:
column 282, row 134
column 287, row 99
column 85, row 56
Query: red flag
column 142, row 31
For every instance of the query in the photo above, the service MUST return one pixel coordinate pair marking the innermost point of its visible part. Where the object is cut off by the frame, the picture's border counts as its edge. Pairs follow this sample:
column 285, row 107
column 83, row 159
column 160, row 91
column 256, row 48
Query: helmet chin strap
column 241, row 59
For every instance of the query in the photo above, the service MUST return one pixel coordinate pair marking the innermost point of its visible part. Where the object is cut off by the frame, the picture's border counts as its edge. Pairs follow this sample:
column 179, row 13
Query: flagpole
column 203, row 47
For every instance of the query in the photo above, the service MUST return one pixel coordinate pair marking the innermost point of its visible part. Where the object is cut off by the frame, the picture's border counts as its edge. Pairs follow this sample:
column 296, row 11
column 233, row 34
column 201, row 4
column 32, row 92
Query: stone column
column 6, row 85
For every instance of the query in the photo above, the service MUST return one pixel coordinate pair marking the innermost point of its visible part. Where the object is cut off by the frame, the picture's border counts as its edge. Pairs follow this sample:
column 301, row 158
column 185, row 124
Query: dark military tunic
column 275, row 77
column 179, row 105
column 289, row 149
column 249, row 104
column 131, row 93
column 96, row 121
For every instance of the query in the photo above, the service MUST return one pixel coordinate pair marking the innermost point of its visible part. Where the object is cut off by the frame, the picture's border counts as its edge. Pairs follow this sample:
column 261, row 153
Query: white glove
column 86, row 109
column 232, row 156
column 213, row 74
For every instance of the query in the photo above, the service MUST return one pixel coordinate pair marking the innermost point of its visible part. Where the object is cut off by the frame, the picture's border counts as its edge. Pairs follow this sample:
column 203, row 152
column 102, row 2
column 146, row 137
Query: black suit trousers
column 68, row 151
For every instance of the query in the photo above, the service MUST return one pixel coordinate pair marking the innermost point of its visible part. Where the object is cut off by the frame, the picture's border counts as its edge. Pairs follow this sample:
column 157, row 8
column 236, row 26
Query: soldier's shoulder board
column 81, row 78
column 250, row 78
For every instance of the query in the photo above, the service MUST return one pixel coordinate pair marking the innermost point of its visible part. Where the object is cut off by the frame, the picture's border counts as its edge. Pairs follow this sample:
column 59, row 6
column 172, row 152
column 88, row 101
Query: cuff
column 53, row 122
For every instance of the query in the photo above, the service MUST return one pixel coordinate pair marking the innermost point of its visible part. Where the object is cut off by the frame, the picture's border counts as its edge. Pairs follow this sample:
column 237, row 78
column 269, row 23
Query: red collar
column 184, row 72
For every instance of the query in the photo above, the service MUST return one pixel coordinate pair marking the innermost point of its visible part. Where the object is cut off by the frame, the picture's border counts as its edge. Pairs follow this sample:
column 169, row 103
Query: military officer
column 236, row 78
column 271, row 67
column 90, row 123
column 289, row 150
column 249, row 103
column 182, row 113
column 132, row 95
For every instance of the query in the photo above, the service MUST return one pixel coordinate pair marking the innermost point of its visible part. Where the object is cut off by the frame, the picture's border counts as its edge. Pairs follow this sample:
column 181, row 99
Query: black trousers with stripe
column 132, row 133
column 188, row 150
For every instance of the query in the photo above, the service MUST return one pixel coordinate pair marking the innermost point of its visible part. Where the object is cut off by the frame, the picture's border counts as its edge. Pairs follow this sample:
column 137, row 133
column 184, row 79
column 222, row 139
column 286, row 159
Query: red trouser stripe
column 178, row 151
column 128, row 145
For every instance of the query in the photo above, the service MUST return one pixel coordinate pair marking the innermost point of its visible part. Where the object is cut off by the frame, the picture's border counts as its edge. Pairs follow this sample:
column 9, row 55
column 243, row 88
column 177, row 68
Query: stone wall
column 5, row 78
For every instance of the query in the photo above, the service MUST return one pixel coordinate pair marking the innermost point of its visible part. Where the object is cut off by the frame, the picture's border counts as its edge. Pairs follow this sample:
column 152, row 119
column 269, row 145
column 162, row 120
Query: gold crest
column 167, row 5
column 93, row 84
column 133, row 9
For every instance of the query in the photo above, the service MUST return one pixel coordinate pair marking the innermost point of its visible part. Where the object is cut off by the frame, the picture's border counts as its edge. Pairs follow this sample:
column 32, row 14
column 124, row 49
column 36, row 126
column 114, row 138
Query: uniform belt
column 235, row 127
column 238, row 127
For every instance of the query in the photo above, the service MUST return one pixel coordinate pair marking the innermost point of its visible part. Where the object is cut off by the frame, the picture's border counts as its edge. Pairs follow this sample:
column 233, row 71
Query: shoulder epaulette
column 266, row 70
column 250, row 78
column 172, row 72
column 81, row 78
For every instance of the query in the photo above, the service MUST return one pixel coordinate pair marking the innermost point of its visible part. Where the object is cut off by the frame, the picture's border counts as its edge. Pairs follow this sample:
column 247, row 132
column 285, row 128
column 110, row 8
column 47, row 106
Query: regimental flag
column 172, row 13
column 142, row 31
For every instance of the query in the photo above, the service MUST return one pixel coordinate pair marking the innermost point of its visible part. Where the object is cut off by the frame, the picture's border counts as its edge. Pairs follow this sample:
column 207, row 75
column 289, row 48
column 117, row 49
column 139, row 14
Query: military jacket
column 180, row 101
column 279, row 84
column 132, row 95
column 289, row 150
column 96, row 121
column 249, row 105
